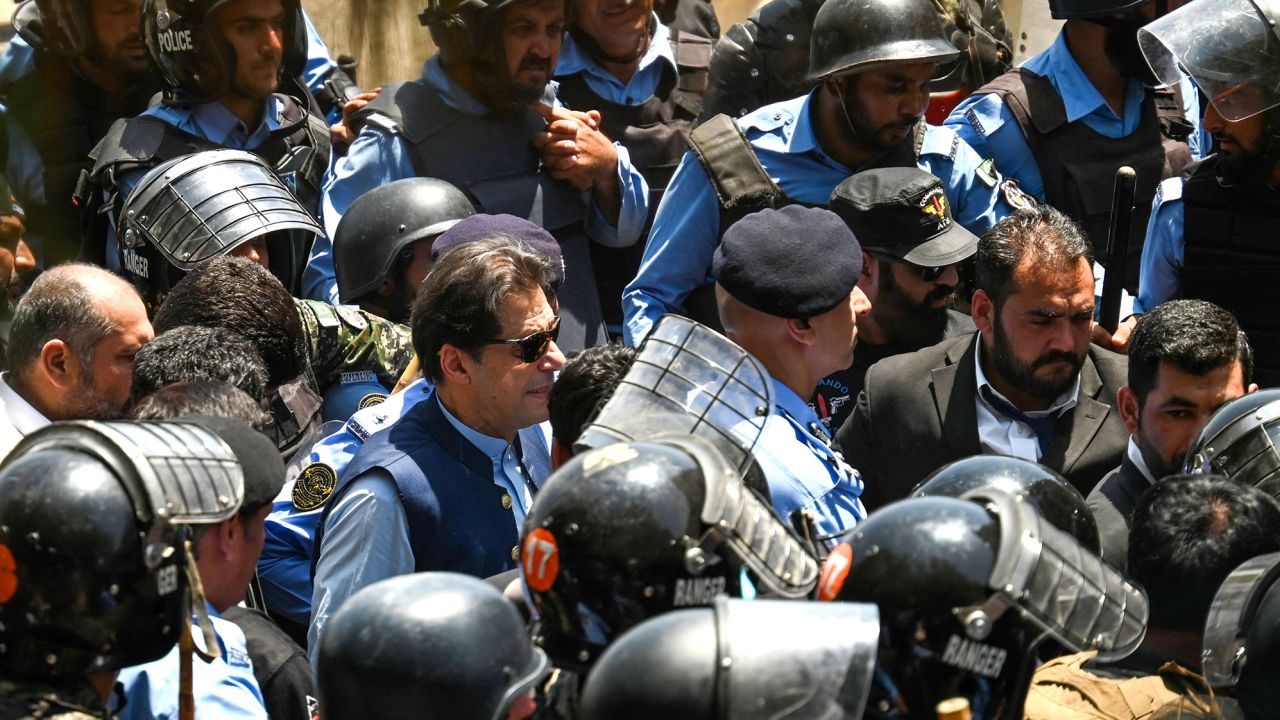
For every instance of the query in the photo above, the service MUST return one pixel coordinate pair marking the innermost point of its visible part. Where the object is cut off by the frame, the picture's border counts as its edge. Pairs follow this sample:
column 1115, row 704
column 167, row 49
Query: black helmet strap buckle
column 212, row 649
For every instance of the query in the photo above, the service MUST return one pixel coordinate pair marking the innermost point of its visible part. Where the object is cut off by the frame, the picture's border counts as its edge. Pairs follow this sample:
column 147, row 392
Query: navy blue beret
column 482, row 226
column 796, row 262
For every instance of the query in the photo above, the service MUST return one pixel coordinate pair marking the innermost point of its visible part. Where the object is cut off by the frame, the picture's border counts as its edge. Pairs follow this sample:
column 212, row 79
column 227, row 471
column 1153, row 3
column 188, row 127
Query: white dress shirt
column 1002, row 435
column 19, row 418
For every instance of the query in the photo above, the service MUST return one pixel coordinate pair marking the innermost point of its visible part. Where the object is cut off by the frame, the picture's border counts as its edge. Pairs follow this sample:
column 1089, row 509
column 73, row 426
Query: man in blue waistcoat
column 447, row 487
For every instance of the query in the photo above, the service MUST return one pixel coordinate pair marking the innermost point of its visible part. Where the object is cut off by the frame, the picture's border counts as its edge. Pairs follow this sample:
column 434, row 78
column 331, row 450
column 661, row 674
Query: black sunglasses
column 927, row 274
column 532, row 346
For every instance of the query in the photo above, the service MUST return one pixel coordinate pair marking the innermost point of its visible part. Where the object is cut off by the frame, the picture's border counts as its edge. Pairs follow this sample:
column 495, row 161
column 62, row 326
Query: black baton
column 1117, row 247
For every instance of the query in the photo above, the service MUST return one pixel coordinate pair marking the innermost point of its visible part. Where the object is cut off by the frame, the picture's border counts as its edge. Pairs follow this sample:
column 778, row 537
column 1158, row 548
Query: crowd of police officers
column 612, row 368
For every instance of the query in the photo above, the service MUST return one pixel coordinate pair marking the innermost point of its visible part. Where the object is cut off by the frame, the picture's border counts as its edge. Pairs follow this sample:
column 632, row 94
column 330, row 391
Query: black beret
column 259, row 459
column 482, row 226
column 796, row 262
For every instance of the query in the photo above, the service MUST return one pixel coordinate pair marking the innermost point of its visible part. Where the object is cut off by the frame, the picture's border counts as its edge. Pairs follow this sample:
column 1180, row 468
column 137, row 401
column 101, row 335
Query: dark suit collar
column 452, row 441
column 955, row 392
column 1076, row 429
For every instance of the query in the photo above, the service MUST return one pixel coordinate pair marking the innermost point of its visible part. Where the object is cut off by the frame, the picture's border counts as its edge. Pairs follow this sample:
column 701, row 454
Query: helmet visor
column 1227, row 625
column 1244, row 450
column 769, row 674
column 1227, row 46
column 689, row 379
column 1059, row 586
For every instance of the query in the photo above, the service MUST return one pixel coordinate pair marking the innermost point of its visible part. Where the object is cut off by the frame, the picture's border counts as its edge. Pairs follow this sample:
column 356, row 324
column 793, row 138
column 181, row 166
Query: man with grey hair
column 1028, row 384
column 71, row 349
column 447, row 487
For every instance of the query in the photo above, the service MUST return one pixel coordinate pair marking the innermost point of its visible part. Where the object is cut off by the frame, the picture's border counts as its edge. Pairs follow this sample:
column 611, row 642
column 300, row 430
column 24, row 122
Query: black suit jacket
column 1112, row 503
column 918, row 412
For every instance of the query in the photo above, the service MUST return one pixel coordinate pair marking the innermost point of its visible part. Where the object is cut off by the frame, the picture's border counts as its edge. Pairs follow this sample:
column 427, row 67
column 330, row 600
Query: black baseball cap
column 904, row 213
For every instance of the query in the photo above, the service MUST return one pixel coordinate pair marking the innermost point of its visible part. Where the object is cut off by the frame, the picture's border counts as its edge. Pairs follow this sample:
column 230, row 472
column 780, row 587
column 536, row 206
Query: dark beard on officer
column 913, row 325
column 1023, row 375
column 1122, row 49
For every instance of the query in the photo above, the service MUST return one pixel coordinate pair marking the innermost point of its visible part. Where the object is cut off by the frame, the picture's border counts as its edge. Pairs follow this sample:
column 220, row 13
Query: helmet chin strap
column 844, row 108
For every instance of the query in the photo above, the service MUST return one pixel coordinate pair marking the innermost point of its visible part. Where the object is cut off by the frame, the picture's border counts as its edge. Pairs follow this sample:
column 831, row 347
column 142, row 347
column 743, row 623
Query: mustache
column 535, row 63
column 1054, row 356
column 939, row 293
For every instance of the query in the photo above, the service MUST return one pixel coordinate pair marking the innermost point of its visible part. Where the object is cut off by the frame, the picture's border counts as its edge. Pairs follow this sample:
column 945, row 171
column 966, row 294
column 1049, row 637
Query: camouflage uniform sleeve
column 341, row 339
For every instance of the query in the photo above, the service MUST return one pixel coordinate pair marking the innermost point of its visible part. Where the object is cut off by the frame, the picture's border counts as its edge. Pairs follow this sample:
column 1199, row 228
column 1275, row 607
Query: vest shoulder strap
column 1032, row 99
column 739, row 180
column 411, row 109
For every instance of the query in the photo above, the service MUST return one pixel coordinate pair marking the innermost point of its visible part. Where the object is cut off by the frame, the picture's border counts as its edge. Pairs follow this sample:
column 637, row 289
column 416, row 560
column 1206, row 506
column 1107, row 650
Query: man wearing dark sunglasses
column 447, row 487
column 911, row 247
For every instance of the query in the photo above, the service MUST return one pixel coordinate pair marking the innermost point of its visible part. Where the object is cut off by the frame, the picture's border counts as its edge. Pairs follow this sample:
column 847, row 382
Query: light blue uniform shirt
column 224, row 688
column 380, row 156
column 1161, row 276
column 642, row 85
column 284, row 569
column 367, row 532
column 987, row 124
column 803, row 471
column 677, row 258
column 211, row 121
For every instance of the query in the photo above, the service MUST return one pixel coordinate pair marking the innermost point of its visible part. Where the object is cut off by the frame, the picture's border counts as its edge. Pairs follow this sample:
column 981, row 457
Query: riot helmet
column 185, row 45
column 631, row 530
column 739, row 659
column 382, row 225
column 62, row 26
column 201, row 206
column 1229, row 47
column 1056, row 499
column 851, row 36
column 1242, row 637
column 94, row 565
column 1239, row 441
column 969, row 588
column 1092, row 9
column 426, row 645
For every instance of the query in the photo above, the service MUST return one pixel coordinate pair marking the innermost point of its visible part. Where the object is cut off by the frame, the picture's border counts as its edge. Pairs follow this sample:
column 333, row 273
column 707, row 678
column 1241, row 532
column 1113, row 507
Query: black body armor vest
column 1232, row 258
column 1078, row 165
column 656, row 134
column 492, row 159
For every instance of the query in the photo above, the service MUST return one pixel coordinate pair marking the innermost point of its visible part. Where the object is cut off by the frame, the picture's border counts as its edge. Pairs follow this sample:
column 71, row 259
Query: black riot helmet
column 462, row 29
column 631, row 530
column 426, row 645
column 1056, row 499
column 1091, row 9
column 851, row 36
column 968, row 588
column 739, row 660
column 62, row 26
column 183, row 41
column 94, row 570
column 1239, row 441
column 1242, row 637
column 384, row 223
column 201, row 206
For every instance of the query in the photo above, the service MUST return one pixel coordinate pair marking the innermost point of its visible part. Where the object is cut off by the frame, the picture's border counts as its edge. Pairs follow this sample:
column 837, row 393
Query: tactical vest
column 458, row 520
column 1078, row 164
column 65, row 116
column 298, row 152
column 742, row 185
column 655, row 134
column 491, row 157
column 1232, row 258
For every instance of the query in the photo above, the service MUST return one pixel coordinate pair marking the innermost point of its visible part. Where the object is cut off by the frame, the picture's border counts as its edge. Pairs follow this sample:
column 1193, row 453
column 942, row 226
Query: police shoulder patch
column 986, row 172
column 370, row 400
column 314, row 486
column 1015, row 196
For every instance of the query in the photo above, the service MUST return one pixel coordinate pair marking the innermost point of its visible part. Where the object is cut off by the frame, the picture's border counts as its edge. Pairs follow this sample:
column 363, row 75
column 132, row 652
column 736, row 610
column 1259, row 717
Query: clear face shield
column 177, row 475
column 688, row 379
column 1244, row 450
column 1056, row 585
column 764, row 672
column 1226, row 632
column 1229, row 47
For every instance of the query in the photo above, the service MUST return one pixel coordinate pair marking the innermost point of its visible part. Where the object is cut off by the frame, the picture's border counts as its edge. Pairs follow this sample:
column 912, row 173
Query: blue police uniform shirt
column 284, row 569
column 1162, row 256
column 380, row 156
column 988, row 126
column 353, row 391
column 677, row 258
column 803, row 471
column 211, row 121
column 367, row 532
column 224, row 688
column 642, row 85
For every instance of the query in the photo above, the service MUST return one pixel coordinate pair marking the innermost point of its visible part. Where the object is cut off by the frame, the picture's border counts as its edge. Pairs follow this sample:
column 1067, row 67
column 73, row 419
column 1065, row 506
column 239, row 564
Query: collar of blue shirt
column 1079, row 96
column 215, row 123
column 798, row 409
column 493, row 447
